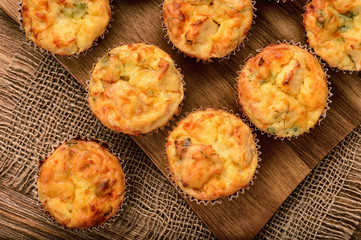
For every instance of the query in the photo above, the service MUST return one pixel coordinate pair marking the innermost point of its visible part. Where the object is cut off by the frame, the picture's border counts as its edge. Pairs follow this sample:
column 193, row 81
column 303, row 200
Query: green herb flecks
column 66, row 198
column 351, row 15
column 105, row 60
column 78, row 10
column 82, row 6
column 188, row 42
column 320, row 24
column 343, row 28
column 277, row 115
column 205, row 156
column 320, row 19
column 280, row 113
column 263, row 82
column 346, row 21
column 271, row 130
column 251, row 77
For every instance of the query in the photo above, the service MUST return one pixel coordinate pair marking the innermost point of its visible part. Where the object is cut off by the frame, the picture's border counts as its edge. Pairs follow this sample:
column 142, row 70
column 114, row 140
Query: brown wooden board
column 284, row 163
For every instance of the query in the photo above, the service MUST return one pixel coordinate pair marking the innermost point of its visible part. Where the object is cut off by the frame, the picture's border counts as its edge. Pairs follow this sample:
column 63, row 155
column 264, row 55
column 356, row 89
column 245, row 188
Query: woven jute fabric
column 326, row 205
column 43, row 105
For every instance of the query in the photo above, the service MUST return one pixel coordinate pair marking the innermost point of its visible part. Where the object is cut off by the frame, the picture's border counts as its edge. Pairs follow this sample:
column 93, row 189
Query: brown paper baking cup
column 122, row 162
column 219, row 200
column 234, row 52
column 328, row 100
column 180, row 106
column 31, row 44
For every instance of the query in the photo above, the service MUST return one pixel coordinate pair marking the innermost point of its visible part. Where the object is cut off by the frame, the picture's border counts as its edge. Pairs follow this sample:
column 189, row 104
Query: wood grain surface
column 284, row 163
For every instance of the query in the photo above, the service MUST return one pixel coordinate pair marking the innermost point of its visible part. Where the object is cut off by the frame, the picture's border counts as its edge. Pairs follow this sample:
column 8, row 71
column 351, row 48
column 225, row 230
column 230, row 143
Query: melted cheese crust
column 81, row 184
column 135, row 89
column 65, row 27
column 283, row 90
column 207, row 28
column 212, row 154
column 334, row 31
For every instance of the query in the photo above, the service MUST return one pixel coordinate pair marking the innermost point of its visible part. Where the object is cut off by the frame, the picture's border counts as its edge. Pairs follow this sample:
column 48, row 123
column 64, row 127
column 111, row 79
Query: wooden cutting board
column 284, row 163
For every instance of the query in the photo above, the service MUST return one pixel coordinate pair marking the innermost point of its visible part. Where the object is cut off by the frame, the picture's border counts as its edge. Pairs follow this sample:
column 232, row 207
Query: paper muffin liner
column 233, row 52
column 31, row 44
column 225, row 198
column 175, row 114
column 328, row 100
column 324, row 62
column 122, row 162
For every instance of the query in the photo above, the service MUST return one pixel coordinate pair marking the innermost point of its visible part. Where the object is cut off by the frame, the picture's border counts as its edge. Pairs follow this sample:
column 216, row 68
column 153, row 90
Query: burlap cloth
column 43, row 104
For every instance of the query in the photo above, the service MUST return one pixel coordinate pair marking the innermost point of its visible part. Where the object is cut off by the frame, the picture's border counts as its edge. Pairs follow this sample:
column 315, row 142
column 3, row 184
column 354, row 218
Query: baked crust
column 65, row 27
column 207, row 28
column 283, row 90
column 81, row 184
column 211, row 154
column 135, row 89
column 334, row 31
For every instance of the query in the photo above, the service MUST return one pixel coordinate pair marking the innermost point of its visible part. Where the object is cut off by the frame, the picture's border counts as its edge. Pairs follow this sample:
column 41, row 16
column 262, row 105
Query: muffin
column 211, row 154
column 135, row 88
column 334, row 31
column 283, row 90
column 207, row 29
column 65, row 27
column 81, row 184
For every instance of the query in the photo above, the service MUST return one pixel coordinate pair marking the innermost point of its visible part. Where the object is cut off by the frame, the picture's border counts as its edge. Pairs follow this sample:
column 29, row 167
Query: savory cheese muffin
column 212, row 154
column 334, row 31
column 81, row 184
column 283, row 90
column 135, row 89
column 207, row 29
column 65, row 27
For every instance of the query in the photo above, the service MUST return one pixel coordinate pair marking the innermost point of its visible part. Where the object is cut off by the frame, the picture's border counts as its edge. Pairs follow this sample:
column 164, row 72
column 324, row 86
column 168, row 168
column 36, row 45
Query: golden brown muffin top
column 65, row 27
column 207, row 28
column 211, row 154
column 283, row 90
column 334, row 31
column 81, row 184
column 135, row 88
